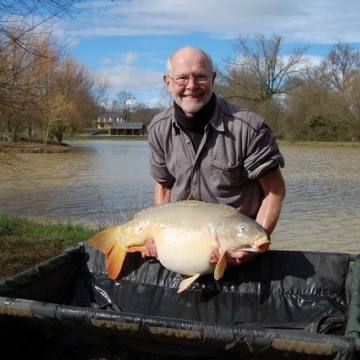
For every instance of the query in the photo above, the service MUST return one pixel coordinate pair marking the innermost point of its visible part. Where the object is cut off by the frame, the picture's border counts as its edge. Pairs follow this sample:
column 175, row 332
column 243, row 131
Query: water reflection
column 102, row 182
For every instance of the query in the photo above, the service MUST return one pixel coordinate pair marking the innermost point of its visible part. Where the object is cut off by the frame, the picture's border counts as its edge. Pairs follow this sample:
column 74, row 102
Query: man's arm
column 273, row 186
column 162, row 194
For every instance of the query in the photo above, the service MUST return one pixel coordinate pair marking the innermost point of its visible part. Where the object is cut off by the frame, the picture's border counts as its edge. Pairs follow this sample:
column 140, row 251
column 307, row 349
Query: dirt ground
column 15, row 259
column 32, row 147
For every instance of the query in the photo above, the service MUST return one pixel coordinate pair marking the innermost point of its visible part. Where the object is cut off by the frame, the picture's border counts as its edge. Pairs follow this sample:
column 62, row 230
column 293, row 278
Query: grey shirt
column 237, row 149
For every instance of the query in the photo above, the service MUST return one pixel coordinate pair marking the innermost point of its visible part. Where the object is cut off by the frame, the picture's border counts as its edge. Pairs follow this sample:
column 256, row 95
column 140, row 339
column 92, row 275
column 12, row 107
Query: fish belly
column 187, row 253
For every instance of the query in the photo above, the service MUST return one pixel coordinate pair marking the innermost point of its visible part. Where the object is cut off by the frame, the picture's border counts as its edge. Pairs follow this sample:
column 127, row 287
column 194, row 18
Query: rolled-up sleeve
column 263, row 154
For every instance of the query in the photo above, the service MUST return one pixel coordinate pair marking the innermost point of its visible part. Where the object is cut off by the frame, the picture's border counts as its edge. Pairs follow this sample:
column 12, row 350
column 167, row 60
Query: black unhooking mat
column 283, row 304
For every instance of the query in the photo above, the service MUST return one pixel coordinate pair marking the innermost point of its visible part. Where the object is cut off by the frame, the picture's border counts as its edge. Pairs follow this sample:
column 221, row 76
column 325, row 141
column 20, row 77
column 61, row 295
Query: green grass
column 23, row 230
column 25, row 243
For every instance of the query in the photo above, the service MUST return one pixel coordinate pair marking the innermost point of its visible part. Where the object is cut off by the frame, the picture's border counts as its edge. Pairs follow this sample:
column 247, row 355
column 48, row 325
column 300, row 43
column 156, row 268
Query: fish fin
column 134, row 248
column 107, row 242
column 105, row 239
column 114, row 262
column 220, row 267
column 186, row 282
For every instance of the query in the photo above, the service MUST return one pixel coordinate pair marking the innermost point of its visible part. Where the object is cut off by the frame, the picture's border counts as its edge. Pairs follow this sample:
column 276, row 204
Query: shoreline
column 37, row 147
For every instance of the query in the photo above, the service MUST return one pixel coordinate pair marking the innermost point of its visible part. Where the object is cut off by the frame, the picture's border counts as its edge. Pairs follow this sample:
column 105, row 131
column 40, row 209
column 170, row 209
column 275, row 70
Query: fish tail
column 107, row 241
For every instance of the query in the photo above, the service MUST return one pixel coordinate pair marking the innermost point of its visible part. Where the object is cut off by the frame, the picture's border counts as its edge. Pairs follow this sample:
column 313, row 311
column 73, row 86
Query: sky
column 127, row 42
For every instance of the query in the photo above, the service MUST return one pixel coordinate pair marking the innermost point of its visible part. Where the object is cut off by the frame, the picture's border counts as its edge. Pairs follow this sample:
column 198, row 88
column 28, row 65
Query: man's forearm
column 162, row 194
column 273, row 186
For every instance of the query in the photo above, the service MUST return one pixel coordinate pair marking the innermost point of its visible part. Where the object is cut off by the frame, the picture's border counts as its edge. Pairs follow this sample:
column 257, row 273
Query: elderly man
column 204, row 148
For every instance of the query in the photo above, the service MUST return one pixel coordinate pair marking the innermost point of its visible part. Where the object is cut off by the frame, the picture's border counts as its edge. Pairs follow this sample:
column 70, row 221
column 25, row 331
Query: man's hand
column 150, row 250
column 235, row 258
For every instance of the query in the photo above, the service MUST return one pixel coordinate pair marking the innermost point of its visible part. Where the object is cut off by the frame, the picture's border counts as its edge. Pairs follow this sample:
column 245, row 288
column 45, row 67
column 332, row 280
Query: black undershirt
column 194, row 126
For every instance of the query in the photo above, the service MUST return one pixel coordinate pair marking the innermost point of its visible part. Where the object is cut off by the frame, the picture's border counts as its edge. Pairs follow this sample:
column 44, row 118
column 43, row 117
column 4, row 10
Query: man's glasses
column 184, row 80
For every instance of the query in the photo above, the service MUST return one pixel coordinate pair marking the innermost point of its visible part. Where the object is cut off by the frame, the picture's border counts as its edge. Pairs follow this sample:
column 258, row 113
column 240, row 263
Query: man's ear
column 167, row 83
column 213, row 78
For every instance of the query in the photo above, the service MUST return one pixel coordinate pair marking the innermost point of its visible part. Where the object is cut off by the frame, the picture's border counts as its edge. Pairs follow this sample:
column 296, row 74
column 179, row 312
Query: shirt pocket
column 226, row 174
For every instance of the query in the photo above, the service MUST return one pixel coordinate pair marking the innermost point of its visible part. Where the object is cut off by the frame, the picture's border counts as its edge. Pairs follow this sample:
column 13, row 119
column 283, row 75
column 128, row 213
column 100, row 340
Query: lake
column 100, row 183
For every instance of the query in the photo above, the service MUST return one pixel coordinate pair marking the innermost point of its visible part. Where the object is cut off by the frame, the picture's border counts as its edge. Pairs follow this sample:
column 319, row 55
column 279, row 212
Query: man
column 204, row 148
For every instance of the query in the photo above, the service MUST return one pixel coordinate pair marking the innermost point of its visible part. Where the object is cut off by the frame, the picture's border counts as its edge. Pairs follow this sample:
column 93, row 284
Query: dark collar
column 197, row 122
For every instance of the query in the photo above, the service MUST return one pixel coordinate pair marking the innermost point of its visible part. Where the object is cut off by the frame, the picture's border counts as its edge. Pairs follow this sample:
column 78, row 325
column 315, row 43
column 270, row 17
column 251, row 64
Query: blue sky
column 127, row 42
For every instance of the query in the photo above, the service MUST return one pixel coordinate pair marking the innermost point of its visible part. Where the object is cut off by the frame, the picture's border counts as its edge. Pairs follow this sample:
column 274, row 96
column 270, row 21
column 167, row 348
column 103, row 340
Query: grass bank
column 25, row 243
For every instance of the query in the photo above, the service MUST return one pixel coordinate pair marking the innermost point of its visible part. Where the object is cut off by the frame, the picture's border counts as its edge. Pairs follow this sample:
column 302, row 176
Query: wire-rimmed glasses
column 184, row 80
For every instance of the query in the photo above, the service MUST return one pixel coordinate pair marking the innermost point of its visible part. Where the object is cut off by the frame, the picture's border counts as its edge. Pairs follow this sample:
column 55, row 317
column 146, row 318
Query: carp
column 185, row 234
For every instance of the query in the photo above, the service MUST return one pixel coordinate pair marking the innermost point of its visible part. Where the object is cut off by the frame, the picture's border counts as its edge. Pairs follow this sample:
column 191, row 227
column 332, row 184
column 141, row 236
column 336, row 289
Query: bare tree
column 342, row 66
column 126, row 104
column 260, row 71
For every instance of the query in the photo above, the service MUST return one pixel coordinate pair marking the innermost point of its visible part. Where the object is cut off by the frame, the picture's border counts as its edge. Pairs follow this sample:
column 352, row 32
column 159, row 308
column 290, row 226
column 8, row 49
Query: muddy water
column 103, row 182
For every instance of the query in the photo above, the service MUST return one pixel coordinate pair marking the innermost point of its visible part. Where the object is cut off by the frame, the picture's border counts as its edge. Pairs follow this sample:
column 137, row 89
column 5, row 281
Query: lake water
column 100, row 183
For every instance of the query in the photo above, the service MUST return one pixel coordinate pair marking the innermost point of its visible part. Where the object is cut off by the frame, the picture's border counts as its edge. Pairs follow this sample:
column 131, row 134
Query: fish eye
column 242, row 229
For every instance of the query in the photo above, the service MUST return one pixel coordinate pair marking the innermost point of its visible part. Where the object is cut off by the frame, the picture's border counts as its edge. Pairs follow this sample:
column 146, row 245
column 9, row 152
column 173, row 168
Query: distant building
column 127, row 128
column 106, row 120
column 118, row 126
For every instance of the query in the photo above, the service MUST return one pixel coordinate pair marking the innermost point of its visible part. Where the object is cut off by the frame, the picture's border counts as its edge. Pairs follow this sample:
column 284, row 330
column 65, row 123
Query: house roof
column 127, row 125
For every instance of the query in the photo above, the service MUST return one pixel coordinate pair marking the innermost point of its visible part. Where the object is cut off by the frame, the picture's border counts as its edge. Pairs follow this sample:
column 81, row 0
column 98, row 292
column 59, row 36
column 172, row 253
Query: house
column 127, row 128
column 105, row 120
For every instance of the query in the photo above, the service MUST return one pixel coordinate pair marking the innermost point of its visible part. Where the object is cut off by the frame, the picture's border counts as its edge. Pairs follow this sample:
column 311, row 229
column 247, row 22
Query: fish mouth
column 261, row 245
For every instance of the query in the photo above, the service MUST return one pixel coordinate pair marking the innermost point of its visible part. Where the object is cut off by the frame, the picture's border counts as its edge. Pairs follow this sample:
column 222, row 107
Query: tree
column 306, row 103
column 342, row 66
column 259, row 74
column 72, row 99
column 145, row 114
column 126, row 104
column 27, row 16
column 19, row 81
column 259, row 71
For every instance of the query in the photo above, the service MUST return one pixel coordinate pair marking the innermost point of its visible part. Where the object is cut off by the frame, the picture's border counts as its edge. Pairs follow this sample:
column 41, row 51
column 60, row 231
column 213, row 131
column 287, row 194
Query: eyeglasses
column 184, row 80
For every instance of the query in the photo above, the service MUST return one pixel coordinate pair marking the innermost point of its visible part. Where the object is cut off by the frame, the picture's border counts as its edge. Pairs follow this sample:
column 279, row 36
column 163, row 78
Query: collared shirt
column 237, row 148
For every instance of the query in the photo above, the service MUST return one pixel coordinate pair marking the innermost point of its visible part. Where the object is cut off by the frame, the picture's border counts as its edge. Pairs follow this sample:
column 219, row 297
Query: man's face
column 190, row 66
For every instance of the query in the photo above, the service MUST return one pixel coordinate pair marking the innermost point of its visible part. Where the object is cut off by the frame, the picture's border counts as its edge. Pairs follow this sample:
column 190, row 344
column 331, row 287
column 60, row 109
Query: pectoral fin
column 186, row 282
column 107, row 242
column 220, row 267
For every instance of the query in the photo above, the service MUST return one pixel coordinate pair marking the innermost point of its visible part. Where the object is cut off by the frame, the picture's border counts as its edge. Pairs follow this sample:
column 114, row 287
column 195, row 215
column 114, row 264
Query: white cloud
column 132, row 78
column 320, row 21
column 130, row 58
column 129, row 68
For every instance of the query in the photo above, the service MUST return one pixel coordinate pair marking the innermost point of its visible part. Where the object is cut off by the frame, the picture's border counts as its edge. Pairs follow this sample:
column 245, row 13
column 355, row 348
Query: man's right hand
column 150, row 250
